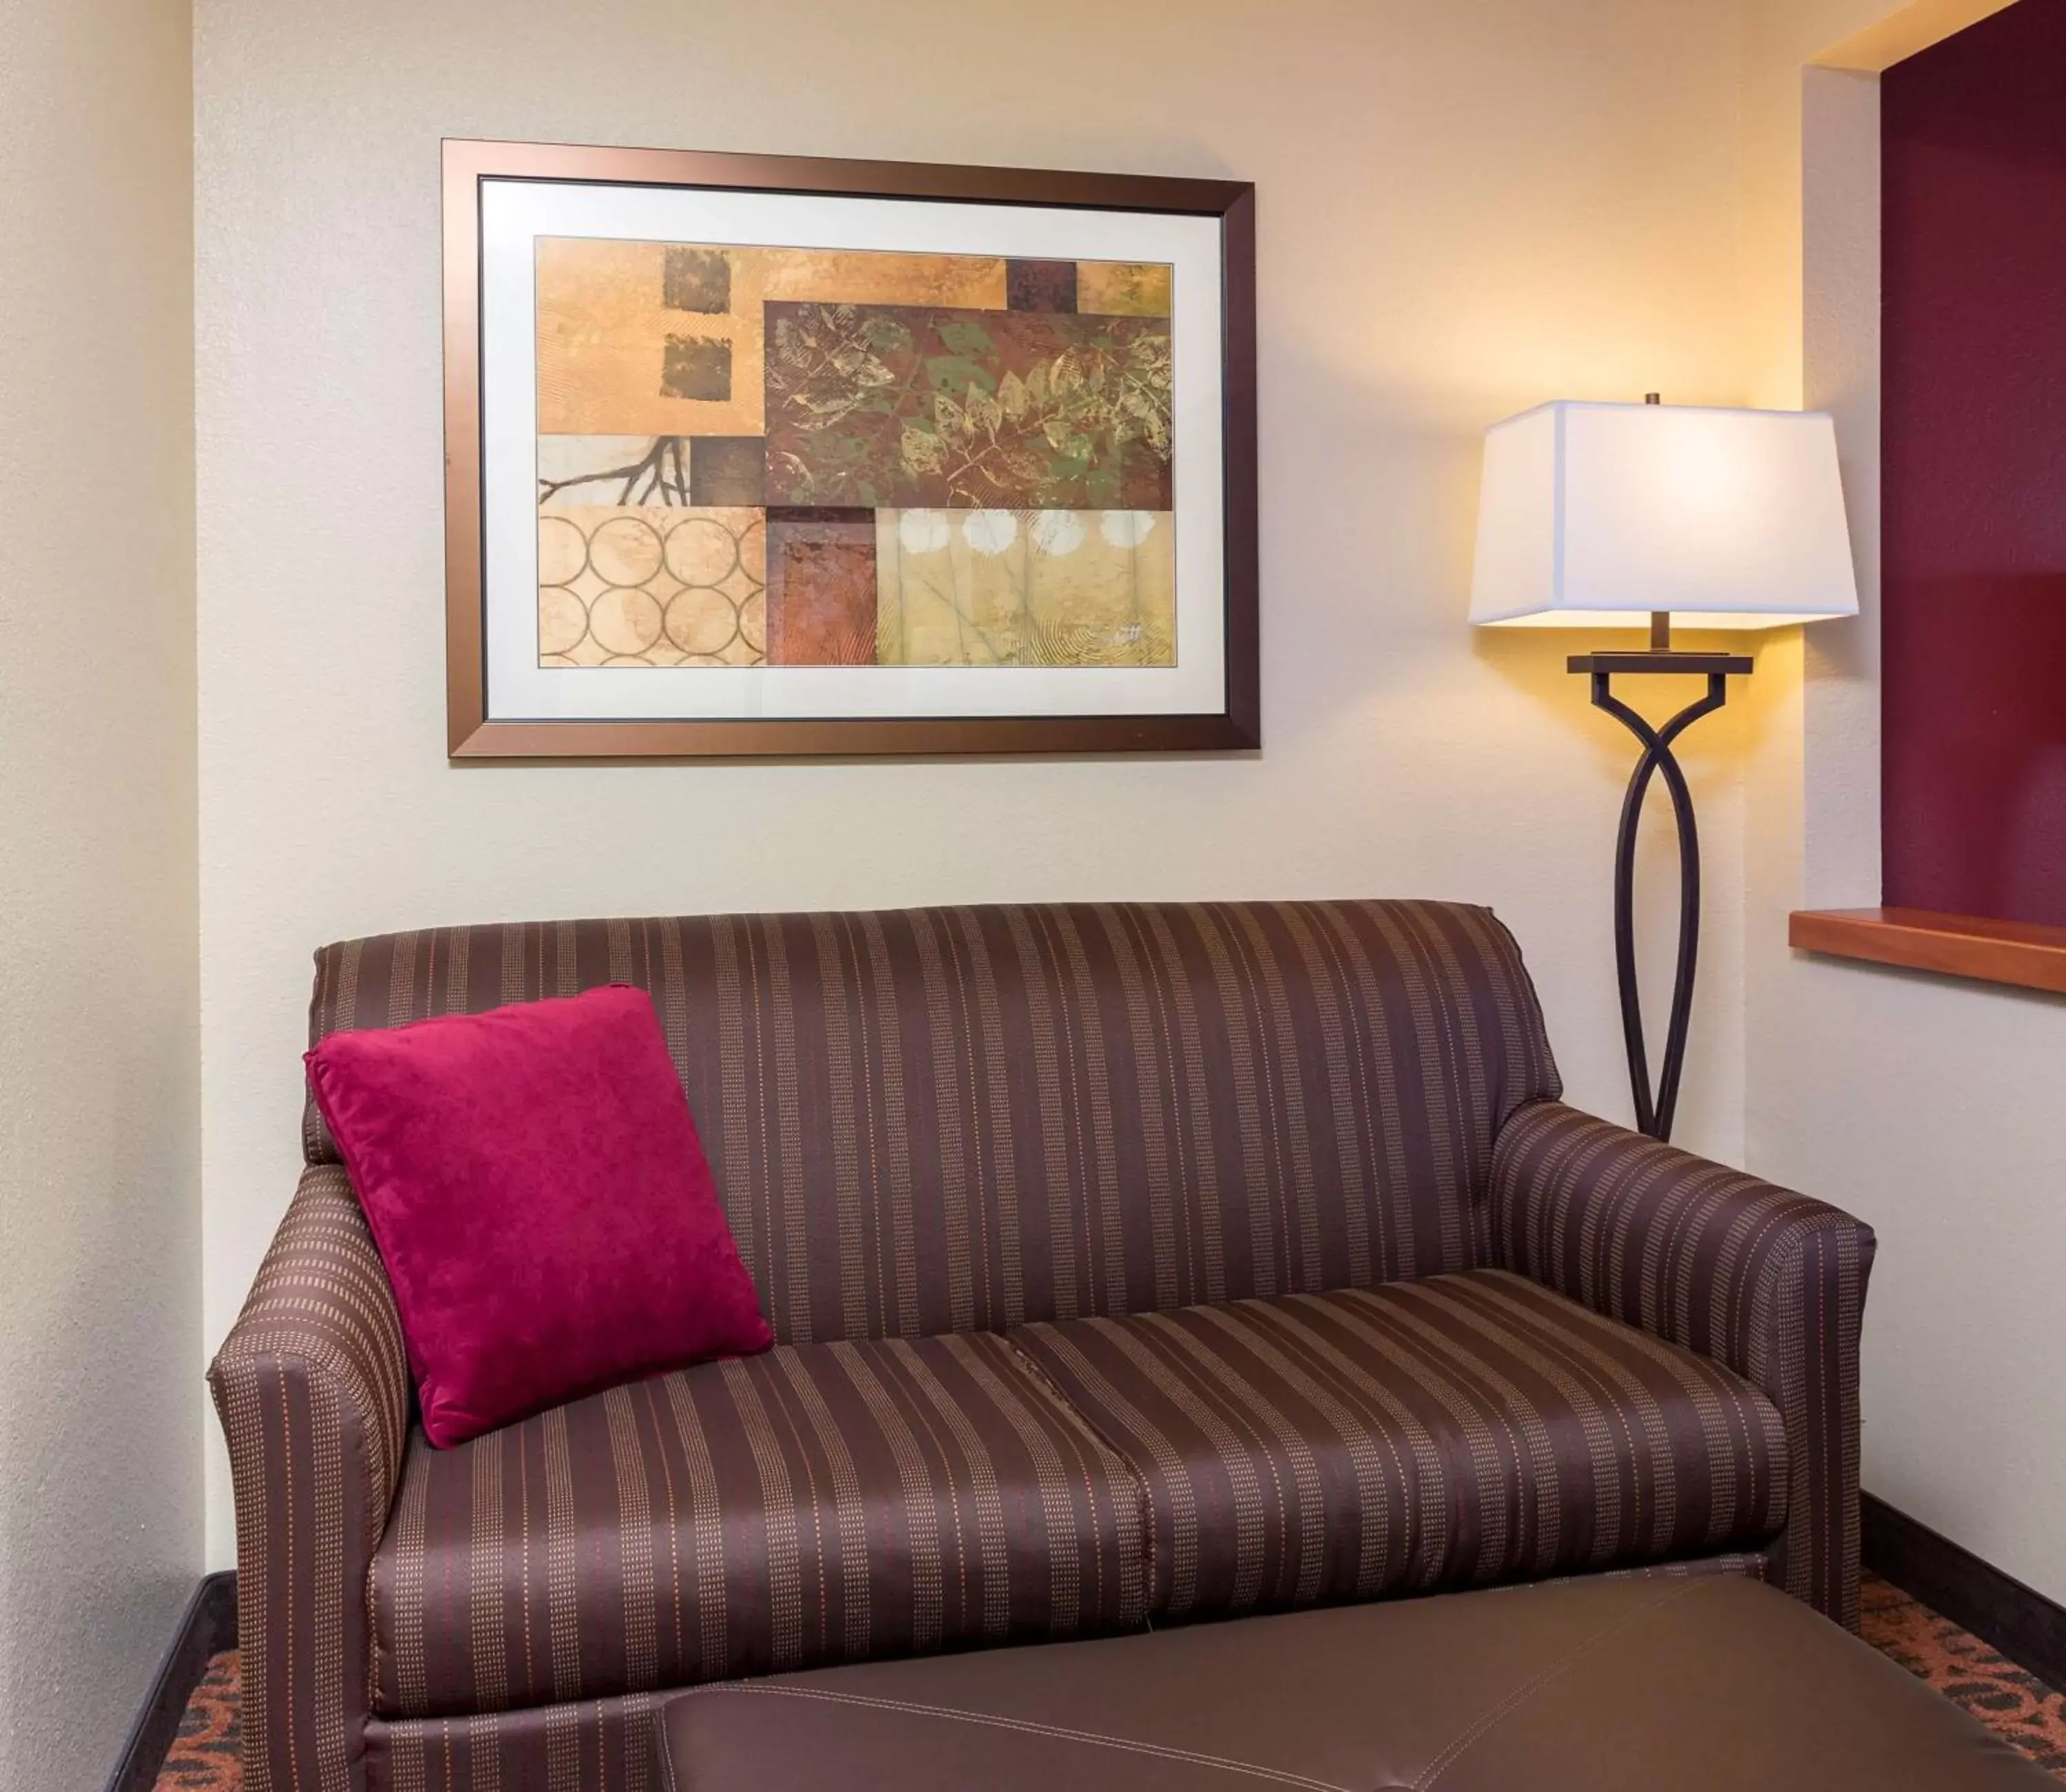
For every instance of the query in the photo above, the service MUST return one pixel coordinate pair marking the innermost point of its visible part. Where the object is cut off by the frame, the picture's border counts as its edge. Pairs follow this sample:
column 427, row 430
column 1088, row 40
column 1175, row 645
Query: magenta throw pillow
column 549, row 1223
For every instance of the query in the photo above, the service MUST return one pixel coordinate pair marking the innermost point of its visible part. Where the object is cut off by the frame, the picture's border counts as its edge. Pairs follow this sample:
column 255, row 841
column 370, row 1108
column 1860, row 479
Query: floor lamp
column 1613, row 516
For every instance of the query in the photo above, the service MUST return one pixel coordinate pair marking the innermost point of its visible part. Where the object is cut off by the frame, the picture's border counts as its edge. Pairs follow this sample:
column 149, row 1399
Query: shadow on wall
column 81, row 1628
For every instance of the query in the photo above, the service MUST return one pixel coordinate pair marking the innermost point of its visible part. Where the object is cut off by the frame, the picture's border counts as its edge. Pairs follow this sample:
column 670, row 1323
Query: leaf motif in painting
column 953, row 409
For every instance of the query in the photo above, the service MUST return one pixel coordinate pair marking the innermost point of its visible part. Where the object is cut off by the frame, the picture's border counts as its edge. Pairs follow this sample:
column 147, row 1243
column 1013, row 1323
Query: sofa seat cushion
column 1466, row 1428
column 817, row 1504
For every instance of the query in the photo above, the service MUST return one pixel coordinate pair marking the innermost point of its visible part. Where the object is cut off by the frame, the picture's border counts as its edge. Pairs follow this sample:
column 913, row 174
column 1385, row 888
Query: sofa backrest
column 933, row 1120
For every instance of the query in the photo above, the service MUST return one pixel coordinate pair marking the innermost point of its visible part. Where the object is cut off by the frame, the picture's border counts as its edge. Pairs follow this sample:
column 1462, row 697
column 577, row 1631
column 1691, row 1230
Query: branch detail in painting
column 789, row 457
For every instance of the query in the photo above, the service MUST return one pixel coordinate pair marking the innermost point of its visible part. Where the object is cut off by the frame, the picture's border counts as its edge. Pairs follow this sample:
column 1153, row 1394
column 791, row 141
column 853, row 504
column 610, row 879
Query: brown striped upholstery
column 820, row 1503
column 1126, row 1261
column 312, row 1388
column 1445, row 1433
column 594, row 1745
column 1757, row 1277
column 953, row 1119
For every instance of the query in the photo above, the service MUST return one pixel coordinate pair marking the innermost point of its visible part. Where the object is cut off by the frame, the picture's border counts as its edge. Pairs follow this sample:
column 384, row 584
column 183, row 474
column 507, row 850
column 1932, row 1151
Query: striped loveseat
column 1126, row 1264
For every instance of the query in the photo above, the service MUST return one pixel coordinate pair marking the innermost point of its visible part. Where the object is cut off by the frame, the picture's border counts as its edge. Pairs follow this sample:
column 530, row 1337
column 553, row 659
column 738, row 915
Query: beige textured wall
column 100, row 1432
column 1464, row 208
column 1928, row 1106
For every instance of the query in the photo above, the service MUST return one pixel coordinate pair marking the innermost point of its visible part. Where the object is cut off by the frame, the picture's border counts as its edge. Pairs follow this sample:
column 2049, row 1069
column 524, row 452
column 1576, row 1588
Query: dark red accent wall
column 1975, row 462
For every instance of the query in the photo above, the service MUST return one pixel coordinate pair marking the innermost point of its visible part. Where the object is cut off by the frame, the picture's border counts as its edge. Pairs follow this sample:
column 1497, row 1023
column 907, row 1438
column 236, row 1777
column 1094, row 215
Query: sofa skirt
column 606, row 1745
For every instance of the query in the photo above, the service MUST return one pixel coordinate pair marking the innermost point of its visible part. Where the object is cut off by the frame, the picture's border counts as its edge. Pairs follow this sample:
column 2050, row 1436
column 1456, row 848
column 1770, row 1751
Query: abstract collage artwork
column 789, row 456
column 761, row 456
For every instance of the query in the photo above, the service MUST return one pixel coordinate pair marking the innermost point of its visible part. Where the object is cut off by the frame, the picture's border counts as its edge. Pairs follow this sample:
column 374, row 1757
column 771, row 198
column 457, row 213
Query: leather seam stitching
column 1521, row 1695
column 1027, row 1726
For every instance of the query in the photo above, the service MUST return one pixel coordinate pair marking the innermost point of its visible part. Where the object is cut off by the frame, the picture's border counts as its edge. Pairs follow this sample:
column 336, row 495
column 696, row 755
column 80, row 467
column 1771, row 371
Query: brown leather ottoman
column 1677, row 1686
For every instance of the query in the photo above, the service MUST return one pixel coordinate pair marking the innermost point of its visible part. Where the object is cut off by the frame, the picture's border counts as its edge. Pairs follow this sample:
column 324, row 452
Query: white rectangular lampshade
column 1595, row 515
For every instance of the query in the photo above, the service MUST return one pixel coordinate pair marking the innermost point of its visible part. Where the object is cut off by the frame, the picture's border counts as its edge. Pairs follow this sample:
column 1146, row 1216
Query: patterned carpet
column 1958, row 1664
column 202, row 1757
column 2011, row 1703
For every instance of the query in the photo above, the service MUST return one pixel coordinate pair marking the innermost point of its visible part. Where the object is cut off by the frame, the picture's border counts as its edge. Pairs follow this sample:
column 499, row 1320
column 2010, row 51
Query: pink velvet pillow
column 535, row 1183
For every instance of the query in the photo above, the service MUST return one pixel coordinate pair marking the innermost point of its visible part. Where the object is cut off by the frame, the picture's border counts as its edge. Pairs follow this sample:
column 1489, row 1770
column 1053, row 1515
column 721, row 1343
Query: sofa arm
column 1765, row 1281
column 312, row 1387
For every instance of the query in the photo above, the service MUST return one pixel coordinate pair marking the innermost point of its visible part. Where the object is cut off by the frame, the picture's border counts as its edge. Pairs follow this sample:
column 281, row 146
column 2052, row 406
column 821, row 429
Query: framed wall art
column 753, row 454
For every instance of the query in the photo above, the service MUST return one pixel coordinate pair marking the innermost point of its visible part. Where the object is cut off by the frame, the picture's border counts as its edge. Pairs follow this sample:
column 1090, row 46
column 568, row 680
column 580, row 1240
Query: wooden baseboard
column 206, row 1628
column 2020, row 1621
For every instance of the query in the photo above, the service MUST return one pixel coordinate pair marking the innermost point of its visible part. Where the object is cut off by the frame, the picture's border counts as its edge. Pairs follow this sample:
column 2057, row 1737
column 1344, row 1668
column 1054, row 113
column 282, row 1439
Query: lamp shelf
column 2020, row 954
column 1706, row 664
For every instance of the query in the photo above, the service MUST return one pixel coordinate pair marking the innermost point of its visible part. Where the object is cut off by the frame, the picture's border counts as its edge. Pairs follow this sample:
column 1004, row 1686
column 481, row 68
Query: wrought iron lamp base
column 1654, row 1108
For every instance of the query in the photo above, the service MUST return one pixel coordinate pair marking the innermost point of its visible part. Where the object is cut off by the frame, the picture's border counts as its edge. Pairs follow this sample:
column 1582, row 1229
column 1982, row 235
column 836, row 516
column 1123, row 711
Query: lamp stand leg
column 1655, row 1109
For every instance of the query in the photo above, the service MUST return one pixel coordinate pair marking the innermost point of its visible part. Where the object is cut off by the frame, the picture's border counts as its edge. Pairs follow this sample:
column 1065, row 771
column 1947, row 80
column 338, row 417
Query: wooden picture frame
column 1158, row 704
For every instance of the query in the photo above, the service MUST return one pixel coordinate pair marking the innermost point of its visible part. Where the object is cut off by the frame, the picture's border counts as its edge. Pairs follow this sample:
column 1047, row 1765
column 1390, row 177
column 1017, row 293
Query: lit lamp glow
column 1614, row 516
column 1598, row 516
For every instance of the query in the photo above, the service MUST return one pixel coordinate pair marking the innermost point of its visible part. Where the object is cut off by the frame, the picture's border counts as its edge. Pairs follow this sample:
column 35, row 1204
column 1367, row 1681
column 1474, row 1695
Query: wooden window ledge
column 2014, row 952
